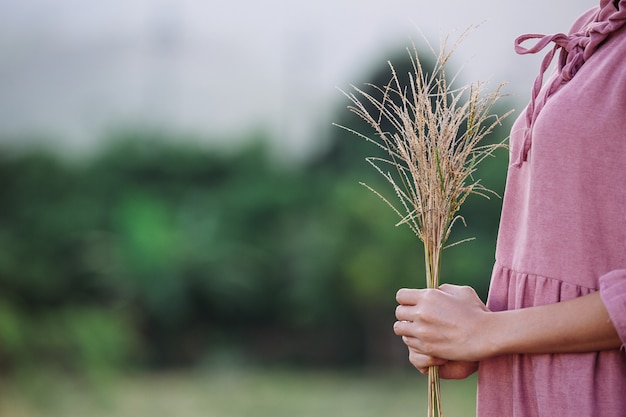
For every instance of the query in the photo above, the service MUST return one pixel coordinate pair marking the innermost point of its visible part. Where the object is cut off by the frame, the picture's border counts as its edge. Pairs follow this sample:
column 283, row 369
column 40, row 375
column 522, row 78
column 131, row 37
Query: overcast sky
column 72, row 70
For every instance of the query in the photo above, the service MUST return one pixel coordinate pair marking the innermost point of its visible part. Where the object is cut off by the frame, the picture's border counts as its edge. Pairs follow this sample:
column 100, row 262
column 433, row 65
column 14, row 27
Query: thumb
column 452, row 289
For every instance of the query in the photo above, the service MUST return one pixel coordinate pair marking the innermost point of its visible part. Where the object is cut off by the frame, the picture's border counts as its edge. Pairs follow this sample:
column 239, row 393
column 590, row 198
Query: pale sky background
column 73, row 70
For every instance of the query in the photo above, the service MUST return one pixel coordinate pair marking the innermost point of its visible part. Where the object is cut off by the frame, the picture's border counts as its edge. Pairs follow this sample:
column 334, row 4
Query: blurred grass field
column 238, row 393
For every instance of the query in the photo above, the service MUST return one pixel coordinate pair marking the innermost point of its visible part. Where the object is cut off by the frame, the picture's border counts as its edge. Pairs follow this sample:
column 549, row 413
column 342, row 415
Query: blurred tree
column 160, row 253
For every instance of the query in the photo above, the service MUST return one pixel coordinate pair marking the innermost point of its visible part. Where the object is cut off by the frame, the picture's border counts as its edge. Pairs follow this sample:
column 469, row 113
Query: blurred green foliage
column 159, row 253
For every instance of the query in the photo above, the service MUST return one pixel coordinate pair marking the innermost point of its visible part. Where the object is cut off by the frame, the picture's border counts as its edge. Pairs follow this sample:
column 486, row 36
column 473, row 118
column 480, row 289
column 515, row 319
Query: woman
column 548, row 341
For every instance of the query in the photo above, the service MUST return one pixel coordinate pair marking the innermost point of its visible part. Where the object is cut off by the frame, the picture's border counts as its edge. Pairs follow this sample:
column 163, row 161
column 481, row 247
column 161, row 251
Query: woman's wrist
column 495, row 336
column 552, row 328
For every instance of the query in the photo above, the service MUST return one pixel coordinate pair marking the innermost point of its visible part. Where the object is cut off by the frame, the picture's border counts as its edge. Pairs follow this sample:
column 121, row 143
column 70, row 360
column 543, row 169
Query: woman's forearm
column 579, row 325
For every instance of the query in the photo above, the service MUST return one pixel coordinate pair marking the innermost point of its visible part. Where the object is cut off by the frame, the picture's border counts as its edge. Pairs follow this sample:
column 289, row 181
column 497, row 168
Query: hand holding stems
column 452, row 328
column 441, row 323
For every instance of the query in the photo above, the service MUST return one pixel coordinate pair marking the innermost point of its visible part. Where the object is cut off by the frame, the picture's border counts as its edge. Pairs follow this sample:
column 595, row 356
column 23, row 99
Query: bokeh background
column 181, row 226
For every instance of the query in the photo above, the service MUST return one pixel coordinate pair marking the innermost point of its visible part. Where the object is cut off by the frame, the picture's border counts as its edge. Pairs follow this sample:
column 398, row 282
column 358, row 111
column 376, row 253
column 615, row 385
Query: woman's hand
column 441, row 325
column 447, row 369
column 451, row 325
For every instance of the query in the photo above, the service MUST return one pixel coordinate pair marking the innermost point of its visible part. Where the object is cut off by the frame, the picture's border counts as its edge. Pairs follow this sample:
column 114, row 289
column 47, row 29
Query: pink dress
column 563, row 225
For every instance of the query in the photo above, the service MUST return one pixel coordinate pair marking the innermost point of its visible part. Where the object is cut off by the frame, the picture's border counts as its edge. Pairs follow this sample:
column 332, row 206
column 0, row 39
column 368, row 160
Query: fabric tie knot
column 572, row 50
column 574, row 59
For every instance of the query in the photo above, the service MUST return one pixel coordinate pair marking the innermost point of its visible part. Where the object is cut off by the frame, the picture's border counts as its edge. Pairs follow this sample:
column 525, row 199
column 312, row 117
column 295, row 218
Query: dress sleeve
column 613, row 294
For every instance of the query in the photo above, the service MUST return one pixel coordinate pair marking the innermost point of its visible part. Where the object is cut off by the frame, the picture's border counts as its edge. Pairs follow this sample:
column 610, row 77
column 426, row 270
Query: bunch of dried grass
column 433, row 150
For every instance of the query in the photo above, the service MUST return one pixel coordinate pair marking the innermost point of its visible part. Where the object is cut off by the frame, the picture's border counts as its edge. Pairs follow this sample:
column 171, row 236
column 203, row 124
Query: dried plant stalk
column 432, row 152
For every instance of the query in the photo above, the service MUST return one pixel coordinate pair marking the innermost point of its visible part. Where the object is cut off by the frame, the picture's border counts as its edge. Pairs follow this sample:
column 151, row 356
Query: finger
column 463, row 292
column 459, row 290
column 403, row 328
column 457, row 370
column 399, row 328
column 407, row 296
column 452, row 289
column 404, row 313
column 422, row 362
